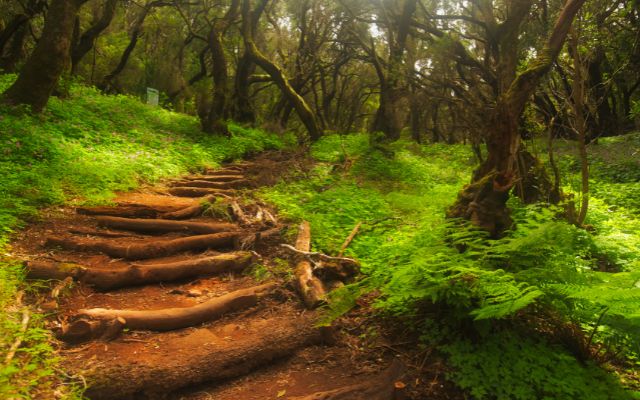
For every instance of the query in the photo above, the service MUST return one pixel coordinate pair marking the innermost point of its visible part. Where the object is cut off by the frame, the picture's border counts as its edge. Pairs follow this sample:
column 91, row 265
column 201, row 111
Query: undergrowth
column 459, row 288
column 80, row 151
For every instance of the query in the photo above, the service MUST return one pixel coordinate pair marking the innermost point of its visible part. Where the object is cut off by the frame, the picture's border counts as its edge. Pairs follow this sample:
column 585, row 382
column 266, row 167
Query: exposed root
column 191, row 211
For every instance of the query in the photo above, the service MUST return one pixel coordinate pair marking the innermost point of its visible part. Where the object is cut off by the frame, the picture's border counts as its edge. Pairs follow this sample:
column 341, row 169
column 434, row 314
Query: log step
column 92, row 323
column 212, row 185
column 140, row 251
column 140, row 274
column 164, row 226
column 150, row 372
column 214, row 178
column 199, row 192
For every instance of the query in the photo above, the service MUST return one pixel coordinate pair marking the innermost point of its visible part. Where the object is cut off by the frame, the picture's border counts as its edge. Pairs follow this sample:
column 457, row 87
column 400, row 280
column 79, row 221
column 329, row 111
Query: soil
column 299, row 364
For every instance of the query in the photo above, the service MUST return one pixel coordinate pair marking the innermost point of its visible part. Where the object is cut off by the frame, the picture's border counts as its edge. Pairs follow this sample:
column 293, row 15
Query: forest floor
column 268, row 350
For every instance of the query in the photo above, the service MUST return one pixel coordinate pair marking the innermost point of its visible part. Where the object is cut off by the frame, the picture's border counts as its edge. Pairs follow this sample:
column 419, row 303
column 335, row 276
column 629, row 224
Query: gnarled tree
column 43, row 69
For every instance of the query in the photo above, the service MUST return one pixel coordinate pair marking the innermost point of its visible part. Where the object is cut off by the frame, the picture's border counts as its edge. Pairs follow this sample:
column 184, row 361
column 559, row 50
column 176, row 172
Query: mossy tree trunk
column 306, row 115
column 216, row 117
column 87, row 40
column 484, row 201
column 43, row 69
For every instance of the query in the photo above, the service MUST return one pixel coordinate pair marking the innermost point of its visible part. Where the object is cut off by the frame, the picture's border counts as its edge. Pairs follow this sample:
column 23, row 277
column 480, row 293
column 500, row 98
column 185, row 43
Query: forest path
column 152, row 298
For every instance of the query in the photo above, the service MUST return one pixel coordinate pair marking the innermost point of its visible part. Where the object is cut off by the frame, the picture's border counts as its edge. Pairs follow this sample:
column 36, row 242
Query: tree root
column 139, row 251
column 190, row 212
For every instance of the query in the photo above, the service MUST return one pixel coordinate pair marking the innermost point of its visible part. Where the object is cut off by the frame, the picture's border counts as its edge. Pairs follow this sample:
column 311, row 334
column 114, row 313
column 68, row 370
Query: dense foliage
column 548, row 294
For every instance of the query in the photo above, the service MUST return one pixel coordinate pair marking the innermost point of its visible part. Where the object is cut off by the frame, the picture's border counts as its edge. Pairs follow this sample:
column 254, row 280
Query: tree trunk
column 305, row 113
column 243, row 111
column 216, row 117
column 15, row 53
column 87, row 40
column 43, row 69
column 136, row 32
column 483, row 202
column 387, row 119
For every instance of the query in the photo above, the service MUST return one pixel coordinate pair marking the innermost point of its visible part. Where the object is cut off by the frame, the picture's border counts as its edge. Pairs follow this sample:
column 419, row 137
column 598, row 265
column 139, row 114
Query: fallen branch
column 164, row 319
column 199, row 192
column 164, row 226
column 238, row 214
column 251, row 241
column 347, row 242
column 309, row 286
column 321, row 256
column 140, row 274
column 139, row 251
column 26, row 317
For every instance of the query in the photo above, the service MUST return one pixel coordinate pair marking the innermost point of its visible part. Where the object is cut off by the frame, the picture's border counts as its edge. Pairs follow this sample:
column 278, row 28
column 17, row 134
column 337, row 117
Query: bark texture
column 164, row 226
column 309, row 286
column 306, row 115
column 484, row 200
column 140, row 274
column 211, row 358
column 43, row 69
column 140, row 251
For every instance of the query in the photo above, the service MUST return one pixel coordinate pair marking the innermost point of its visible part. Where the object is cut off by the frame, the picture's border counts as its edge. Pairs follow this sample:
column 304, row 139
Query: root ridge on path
column 159, row 297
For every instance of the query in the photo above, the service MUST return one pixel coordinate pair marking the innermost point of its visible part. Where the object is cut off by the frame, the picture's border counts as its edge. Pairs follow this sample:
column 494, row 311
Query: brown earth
column 269, row 351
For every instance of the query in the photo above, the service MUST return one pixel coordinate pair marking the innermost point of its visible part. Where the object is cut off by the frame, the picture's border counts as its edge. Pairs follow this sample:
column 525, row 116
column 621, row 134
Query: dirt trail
column 244, row 338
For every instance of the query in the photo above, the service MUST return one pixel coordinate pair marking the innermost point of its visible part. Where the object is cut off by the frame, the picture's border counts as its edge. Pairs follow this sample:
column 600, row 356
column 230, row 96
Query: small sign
column 153, row 96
